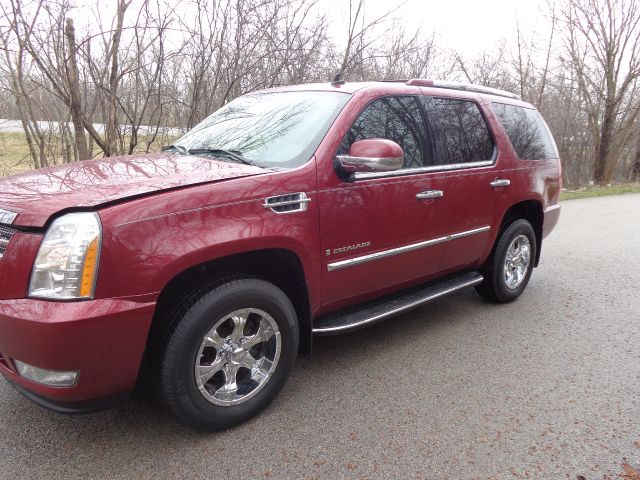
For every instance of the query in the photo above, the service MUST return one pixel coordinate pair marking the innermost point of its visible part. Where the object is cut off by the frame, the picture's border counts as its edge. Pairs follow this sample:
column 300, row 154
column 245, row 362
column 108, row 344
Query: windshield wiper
column 233, row 154
column 178, row 148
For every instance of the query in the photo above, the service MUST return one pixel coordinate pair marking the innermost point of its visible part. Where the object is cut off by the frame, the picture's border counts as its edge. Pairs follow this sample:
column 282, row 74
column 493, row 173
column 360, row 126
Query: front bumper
column 102, row 339
column 72, row 408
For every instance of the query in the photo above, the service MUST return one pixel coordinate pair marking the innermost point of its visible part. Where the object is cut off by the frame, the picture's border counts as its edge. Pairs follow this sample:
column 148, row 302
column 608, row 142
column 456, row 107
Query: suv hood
column 35, row 196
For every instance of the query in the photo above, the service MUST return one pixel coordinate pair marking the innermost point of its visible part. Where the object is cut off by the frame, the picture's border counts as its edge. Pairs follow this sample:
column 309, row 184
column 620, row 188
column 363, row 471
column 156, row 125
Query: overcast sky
column 469, row 26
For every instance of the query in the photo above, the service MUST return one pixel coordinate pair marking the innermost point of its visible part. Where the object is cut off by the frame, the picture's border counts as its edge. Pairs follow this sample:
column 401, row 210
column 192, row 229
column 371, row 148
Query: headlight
column 67, row 262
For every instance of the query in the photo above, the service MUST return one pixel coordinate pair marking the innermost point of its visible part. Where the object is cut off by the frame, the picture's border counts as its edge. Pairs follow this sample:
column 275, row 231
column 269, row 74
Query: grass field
column 14, row 154
column 601, row 191
column 14, row 158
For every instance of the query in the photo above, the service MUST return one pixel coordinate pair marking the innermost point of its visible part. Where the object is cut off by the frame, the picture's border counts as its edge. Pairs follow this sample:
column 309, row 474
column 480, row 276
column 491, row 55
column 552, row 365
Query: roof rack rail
column 468, row 87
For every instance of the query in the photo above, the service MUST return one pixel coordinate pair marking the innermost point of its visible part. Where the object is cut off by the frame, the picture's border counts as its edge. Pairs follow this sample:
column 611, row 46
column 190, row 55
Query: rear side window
column 527, row 132
column 458, row 131
column 394, row 118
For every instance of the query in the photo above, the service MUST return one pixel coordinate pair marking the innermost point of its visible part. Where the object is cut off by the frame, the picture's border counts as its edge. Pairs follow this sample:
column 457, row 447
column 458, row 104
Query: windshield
column 279, row 129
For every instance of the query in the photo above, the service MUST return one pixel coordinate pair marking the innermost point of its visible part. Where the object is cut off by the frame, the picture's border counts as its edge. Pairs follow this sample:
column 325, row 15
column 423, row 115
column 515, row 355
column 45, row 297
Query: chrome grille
column 5, row 236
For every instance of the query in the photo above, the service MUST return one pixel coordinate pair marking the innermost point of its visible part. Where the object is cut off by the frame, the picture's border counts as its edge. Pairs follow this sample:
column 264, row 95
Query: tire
column 215, row 338
column 504, row 282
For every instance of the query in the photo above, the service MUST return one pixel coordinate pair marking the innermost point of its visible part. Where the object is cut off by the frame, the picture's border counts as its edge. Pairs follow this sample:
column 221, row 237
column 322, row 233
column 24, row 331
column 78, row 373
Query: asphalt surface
column 546, row 388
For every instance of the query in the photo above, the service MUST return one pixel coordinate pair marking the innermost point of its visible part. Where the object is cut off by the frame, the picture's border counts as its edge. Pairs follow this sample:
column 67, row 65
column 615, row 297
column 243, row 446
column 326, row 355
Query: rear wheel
column 508, row 270
column 228, row 353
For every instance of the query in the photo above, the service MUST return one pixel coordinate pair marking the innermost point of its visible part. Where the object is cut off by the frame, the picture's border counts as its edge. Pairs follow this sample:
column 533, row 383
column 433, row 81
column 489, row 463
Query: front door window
column 394, row 118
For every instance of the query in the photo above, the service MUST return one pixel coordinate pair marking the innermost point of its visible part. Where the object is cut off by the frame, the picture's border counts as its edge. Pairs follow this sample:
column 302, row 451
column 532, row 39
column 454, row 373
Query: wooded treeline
column 121, row 78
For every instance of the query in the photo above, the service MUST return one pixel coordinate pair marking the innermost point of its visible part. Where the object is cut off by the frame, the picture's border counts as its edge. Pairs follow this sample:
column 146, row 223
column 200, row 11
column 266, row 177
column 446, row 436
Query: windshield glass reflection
column 280, row 129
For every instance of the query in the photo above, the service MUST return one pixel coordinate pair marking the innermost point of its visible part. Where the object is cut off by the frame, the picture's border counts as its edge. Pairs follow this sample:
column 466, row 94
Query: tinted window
column 394, row 118
column 526, row 131
column 458, row 131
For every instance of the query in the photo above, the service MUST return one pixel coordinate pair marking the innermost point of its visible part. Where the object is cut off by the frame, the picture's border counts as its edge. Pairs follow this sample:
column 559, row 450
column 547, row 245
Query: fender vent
column 5, row 236
column 292, row 202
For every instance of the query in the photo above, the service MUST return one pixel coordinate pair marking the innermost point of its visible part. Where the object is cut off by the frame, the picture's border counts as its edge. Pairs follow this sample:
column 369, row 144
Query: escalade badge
column 348, row 248
column 7, row 217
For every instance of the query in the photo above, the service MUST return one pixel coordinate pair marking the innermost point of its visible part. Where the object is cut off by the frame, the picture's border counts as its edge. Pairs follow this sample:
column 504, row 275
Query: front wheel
column 508, row 270
column 228, row 354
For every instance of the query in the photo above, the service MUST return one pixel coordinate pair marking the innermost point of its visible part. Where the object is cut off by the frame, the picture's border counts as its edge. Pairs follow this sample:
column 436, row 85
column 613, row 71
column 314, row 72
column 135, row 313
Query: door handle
column 500, row 182
column 428, row 194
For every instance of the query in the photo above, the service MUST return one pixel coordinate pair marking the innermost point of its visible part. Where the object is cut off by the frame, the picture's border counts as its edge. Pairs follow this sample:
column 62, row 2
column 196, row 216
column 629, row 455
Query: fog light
column 48, row 377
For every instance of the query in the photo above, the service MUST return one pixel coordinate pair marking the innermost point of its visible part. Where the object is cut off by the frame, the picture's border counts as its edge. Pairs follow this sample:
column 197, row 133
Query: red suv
column 288, row 213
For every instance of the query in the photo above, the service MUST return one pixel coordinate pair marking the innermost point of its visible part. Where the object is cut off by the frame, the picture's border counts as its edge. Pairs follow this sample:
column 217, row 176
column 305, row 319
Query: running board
column 368, row 313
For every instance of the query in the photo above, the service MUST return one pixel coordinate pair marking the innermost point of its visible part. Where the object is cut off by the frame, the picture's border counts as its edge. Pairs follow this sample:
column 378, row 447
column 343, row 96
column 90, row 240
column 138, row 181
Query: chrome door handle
column 428, row 194
column 500, row 182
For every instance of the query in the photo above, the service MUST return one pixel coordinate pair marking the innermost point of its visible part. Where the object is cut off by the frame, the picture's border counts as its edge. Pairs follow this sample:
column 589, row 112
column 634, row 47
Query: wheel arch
column 530, row 210
column 282, row 267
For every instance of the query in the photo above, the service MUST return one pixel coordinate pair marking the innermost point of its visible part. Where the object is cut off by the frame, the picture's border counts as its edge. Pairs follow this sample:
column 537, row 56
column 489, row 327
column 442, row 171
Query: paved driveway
column 545, row 388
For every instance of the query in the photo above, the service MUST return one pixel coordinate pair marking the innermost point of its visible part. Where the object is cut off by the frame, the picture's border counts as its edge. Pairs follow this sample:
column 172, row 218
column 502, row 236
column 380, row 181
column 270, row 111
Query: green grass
column 14, row 154
column 15, row 158
column 601, row 191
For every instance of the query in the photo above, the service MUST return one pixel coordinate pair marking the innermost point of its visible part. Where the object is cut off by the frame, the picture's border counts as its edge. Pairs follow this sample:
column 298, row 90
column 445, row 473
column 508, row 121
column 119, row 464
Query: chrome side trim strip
column 384, row 254
column 469, row 232
column 552, row 208
column 403, row 308
column 415, row 171
column 350, row 262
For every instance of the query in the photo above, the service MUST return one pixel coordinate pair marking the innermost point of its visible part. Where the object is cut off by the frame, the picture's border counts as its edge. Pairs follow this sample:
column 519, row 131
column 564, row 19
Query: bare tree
column 489, row 68
column 362, row 34
column 603, row 42
column 111, row 128
column 142, row 71
column 15, row 35
column 74, row 99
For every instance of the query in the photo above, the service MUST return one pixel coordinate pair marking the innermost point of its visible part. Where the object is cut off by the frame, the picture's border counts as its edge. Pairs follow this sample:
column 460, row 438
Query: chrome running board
column 368, row 313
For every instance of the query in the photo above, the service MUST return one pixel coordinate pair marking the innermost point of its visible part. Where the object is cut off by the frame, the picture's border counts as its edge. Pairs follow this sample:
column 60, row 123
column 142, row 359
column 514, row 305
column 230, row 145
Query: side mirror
column 371, row 155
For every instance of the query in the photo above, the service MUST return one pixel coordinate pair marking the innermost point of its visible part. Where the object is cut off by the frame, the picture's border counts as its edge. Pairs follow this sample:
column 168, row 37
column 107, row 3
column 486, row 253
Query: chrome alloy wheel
column 238, row 356
column 516, row 262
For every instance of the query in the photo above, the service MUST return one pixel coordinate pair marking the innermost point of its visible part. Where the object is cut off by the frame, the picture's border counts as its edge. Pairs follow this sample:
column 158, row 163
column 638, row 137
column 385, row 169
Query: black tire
column 494, row 287
column 182, row 341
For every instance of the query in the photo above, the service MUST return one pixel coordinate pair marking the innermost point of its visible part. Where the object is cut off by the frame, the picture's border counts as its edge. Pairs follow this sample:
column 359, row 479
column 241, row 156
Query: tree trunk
column 634, row 171
column 75, row 101
column 602, row 171
column 112, row 125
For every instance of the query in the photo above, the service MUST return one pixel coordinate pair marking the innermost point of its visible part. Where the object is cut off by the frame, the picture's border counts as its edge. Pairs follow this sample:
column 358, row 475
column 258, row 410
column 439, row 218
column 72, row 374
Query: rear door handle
column 500, row 182
column 428, row 194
